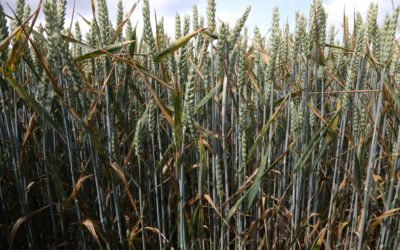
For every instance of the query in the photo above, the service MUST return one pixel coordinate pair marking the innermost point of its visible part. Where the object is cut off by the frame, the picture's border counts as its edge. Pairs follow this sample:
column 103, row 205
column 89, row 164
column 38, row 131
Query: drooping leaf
column 89, row 224
column 76, row 188
column 18, row 224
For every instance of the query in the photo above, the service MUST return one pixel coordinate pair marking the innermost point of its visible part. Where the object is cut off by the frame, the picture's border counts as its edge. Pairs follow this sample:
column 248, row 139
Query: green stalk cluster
column 238, row 28
column 243, row 96
column 284, row 139
column 120, row 17
column 389, row 30
column 371, row 22
column 3, row 34
column 178, row 27
column 19, row 14
column 188, row 118
column 147, row 30
column 222, row 50
column 354, row 63
column 211, row 15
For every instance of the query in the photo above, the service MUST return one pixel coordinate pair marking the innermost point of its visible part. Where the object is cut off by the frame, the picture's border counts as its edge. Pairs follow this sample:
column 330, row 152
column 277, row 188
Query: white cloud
column 228, row 17
column 165, row 8
column 225, row 11
column 336, row 9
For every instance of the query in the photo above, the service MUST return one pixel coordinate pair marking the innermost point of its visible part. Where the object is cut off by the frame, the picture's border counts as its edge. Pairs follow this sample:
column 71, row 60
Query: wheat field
column 214, row 137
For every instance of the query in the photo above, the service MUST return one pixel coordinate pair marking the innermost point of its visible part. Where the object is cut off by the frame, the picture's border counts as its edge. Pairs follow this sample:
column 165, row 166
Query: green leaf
column 178, row 127
column 32, row 103
column 210, row 34
column 202, row 167
column 206, row 98
column 79, row 43
column 175, row 46
column 357, row 169
column 251, row 193
column 97, row 52
column 331, row 125
column 263, row 132
column 232, row 211
column 153, row 76
column 328, row 139
column 338, row 47
column 132, row 47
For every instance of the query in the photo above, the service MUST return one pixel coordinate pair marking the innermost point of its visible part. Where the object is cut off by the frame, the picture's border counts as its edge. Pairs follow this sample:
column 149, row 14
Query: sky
column 226, row 10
